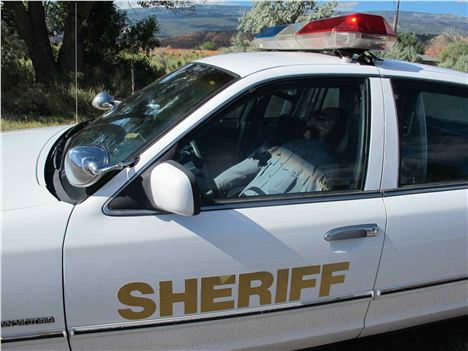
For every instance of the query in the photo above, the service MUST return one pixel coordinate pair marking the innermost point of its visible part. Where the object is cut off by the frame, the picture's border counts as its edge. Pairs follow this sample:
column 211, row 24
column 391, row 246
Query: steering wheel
column 213, row 190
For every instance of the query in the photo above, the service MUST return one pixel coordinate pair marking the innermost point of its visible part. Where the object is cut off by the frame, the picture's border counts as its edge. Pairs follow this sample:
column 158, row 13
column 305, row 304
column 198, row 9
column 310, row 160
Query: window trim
column 286, row 199
column 258, row 202
column 425, row 188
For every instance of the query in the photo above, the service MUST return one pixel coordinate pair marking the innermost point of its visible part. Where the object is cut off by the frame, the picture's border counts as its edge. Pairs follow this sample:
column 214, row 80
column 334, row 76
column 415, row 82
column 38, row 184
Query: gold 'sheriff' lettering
column 168, row 297
column 125, row 297
column 298, row 282
column 210, row 293
column 282, row 277
column 264, row 279
column 216, row 293
column 328, row 278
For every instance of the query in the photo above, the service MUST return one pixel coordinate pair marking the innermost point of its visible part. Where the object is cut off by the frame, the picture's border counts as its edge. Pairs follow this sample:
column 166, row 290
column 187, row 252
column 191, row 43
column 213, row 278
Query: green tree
column 409, row 39
column 56, row 13
column 14, row 53
column 29, row 19
column 140, row 35
column 208, row 45
column 264, row 14
column 100, row 34
column 407, row 48
column 34, row 21
column 455, row 56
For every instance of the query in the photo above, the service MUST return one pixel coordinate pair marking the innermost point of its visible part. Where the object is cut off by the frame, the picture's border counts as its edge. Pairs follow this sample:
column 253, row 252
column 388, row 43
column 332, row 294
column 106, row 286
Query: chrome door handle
column 352, row 232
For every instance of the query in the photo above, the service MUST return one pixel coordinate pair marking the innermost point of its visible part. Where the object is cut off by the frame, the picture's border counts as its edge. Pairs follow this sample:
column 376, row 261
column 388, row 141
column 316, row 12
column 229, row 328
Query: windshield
column 146, row 115
column 136, row 122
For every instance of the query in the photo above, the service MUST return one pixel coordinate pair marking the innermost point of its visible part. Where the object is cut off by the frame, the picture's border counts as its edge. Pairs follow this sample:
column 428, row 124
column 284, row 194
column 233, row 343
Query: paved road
column 445, row 336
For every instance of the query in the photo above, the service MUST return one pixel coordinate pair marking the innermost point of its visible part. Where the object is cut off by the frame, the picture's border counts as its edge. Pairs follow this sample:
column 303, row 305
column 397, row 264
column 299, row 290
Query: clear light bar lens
column 357, row 31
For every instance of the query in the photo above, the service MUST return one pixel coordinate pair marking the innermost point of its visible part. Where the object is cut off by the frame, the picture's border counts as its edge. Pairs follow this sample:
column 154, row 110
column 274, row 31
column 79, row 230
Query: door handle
column 352, row 232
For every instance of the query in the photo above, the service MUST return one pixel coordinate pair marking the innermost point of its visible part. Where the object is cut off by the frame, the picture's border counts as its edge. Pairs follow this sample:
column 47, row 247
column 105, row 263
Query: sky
column 459, row 8
column 455, row 7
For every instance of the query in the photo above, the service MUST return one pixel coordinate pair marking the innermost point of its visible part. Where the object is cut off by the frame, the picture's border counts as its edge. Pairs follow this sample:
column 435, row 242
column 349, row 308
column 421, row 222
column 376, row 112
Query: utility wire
column 76, row 63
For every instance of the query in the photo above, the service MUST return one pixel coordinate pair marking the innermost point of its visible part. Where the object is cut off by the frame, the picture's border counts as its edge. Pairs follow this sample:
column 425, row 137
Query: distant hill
column 205, row 18
column 427, row 23
column 225, row 18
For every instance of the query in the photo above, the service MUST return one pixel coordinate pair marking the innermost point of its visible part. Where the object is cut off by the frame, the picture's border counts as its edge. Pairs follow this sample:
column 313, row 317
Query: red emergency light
column 357, row 31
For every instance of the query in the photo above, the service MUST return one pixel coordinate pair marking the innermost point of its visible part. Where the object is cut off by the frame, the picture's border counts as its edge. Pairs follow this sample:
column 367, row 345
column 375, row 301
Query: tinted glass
column 304, row 136
column 433, row 128
column 144, row 116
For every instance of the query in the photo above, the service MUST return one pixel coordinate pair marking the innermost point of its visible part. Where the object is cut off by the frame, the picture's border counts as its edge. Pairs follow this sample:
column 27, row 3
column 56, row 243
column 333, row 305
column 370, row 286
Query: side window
column 300, row 136
column 433, row 131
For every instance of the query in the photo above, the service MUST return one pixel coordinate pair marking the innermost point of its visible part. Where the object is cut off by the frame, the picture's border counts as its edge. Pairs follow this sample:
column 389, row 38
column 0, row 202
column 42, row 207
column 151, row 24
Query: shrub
column 208, row 45
column 455, row 56
column 113, row 75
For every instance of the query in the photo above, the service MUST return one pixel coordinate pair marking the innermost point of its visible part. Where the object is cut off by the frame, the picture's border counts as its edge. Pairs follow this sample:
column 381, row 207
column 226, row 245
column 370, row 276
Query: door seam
column 374, row 292
column 67, row 334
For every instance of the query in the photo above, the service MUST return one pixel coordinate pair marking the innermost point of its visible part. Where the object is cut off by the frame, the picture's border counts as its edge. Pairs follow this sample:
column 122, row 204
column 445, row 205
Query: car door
column 424, row 265
column 284, row 269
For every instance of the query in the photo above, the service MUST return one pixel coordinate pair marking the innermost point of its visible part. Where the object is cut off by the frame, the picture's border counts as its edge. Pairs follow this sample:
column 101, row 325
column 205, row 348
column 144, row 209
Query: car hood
column 20, row 168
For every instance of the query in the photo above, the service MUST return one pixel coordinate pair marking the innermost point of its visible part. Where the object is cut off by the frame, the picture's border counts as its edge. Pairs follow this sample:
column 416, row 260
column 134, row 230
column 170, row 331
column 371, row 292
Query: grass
column 24, row 122
column 169, row 59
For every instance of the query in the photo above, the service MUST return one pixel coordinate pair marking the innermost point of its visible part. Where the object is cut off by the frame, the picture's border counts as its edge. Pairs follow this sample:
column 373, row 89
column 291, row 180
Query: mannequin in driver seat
column 297, row 166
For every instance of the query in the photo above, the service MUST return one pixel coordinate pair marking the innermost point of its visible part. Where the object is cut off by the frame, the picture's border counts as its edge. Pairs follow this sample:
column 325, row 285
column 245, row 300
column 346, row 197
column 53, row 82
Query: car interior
column 267, row 117
column 433, row 134
column 275, row 116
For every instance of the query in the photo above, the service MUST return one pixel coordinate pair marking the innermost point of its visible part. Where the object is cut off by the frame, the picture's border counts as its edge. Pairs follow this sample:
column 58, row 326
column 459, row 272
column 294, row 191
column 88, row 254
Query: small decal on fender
column 27, row 321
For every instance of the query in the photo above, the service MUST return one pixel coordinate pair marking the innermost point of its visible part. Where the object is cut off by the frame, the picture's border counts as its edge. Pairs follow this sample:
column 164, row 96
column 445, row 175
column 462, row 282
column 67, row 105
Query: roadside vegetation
column 38, row 82
column 40, row 85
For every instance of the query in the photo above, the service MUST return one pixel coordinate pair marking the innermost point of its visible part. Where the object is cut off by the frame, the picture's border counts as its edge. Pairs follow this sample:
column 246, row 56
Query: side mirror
column 174, row 189
column 104, row 101
column 85, row 165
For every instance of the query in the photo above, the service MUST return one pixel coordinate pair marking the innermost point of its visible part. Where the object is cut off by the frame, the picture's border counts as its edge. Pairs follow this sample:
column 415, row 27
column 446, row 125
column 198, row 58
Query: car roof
column 246, row 63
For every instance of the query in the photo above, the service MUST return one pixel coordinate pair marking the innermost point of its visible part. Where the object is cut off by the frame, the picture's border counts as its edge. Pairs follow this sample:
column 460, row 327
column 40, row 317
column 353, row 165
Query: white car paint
column 33, row 229
column 103, row 252
column 20, row 153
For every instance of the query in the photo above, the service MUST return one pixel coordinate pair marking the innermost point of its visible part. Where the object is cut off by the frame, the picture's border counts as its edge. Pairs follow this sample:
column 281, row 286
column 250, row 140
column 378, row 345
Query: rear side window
column 433, row 130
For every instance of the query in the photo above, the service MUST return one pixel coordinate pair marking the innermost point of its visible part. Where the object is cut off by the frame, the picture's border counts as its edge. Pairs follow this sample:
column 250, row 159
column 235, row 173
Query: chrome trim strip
column 45, row 335
column 421, row 189
column 421, row 285
column 102, row 328
column 264, row 202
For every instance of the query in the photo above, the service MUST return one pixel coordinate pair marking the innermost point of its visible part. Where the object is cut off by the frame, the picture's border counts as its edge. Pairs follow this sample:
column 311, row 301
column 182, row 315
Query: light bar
column 358, row 31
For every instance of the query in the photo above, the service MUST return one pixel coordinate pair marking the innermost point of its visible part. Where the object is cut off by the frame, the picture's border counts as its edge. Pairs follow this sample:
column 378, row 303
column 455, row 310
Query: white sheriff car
column 270, row 200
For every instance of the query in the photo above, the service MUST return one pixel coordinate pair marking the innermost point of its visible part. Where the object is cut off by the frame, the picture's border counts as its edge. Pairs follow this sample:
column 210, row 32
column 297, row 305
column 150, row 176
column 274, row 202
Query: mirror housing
column 85, row 165
column 173, row 188
column 104, row 101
